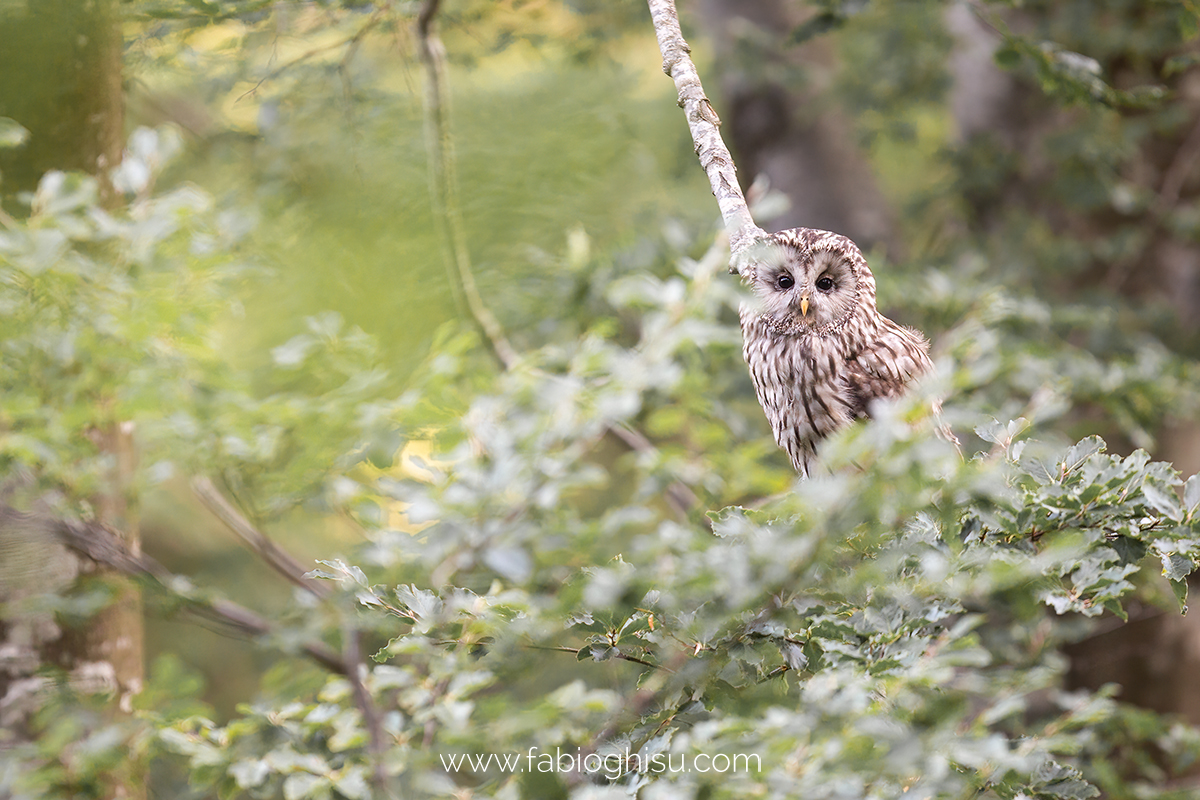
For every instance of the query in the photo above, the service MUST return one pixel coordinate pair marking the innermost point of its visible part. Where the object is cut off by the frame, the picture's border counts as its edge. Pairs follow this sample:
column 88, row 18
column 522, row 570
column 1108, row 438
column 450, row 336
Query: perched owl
column 818, row 350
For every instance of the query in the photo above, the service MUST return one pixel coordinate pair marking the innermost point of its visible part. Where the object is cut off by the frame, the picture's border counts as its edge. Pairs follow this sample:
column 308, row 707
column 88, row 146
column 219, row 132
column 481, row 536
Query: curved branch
column 259, row 543
column 447, row 213
column 704, row 125
column 443, row 192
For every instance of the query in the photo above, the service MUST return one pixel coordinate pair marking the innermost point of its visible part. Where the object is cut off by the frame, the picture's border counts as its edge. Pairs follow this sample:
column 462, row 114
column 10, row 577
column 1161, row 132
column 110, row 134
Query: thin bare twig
column 1179, row 170
column 681, row 498
column 620, row 655
column 704, row 125
column 443, row 185
column 447, row 213
column 351, row 40
column 259, row 543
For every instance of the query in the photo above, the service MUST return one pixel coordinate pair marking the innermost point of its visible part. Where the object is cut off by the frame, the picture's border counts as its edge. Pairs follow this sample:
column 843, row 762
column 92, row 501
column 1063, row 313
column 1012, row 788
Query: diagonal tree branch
column 259, row 543
column 352, row 40
column 704, row 125
column 352, row 651
column 103, row 545
column 352, row 663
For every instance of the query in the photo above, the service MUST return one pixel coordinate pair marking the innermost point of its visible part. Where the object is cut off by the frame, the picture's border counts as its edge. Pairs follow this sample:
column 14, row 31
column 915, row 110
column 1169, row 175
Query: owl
column 818, row 350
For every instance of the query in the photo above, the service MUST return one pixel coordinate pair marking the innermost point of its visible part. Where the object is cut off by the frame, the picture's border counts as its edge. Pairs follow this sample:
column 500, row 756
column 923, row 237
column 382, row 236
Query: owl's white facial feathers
column 810, row 281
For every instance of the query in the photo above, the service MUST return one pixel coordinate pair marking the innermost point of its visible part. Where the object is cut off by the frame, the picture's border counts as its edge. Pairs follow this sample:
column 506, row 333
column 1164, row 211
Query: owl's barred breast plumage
column 818, row 349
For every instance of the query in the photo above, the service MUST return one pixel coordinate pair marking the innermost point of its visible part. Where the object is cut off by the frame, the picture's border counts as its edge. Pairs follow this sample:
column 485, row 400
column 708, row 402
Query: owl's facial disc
column 825, row 290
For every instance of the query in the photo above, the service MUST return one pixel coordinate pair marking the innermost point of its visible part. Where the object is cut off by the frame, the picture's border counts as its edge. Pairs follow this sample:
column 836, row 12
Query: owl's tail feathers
column 802, row 460
column 942, row 428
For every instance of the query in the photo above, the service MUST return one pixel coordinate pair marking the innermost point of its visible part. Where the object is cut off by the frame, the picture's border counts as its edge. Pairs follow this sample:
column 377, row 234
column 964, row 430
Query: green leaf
column 793, row 654
column 1180, row 590
column 1175, row 566
column 1007, row 57
column 249, row 773
column 1081, row 452
column 299, row 785
column 1191, row 494
column 1164, row 502
column 12, row 134
column 1063, row 782
column 1180, row 63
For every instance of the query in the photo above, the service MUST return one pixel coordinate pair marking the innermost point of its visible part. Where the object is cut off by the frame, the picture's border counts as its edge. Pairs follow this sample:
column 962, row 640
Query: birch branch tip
column 704, row 125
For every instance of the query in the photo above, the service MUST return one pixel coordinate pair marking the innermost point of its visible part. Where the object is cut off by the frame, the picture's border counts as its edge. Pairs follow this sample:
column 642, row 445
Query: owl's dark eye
column 824, row 283
column 785, row 282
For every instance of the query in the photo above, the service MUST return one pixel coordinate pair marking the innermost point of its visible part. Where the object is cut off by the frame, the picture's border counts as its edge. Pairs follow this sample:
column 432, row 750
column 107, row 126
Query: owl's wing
column 886, row 366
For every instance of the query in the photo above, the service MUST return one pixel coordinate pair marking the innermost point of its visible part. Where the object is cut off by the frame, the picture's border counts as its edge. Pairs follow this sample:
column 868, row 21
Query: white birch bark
column 704, row 125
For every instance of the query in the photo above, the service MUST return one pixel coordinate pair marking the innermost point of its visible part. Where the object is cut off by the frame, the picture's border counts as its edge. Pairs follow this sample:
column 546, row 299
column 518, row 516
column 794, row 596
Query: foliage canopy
column 528, row 583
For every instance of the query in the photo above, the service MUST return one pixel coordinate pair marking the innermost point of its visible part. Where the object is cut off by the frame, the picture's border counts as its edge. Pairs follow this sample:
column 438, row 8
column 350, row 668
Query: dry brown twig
column 352, row 40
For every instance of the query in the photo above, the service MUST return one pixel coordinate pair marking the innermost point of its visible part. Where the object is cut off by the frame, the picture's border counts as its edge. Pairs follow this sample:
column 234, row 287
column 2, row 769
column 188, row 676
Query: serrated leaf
column 358, row 575
column 990, row 431
column 424, row 604
column 793, row 655
column 1128, row 549
column 1114, row 606
column 736, row 521
column 1080, row 452
column 601, row 652
column 1063, row 781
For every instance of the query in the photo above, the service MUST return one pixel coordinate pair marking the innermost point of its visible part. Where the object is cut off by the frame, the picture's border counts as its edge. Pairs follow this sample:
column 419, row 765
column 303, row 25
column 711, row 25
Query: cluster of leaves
column 873, row 631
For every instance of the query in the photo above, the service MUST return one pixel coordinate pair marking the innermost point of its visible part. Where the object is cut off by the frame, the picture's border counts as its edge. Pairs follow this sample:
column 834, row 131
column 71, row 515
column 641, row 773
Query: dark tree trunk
column 787, row 131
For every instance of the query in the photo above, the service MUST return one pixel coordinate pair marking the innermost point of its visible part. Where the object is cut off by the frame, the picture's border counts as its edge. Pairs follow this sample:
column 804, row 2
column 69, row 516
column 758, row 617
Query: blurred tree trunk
column 1155, row 657
column 60, row 77
column 779, row 124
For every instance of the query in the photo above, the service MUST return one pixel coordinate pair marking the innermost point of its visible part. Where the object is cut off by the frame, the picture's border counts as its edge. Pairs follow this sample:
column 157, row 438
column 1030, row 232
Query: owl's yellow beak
column 804, row 305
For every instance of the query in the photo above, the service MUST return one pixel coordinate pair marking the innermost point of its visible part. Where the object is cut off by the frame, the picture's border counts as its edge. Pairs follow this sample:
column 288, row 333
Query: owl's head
column 809, row 280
